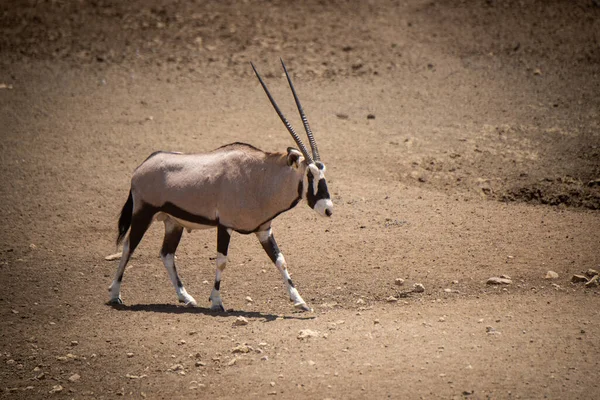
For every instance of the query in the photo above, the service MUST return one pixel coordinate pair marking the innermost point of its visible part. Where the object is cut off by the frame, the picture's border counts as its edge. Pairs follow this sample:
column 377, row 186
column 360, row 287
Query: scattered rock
column 311, row 362
column 116, row 256
column 249, row 299
column 591, row 272
column 537, row 71
column 307, row 333
column 242, row 348
column 592, row 282
column 264, row 358
column 360, row 301
column 418, row 288
column 56, row 389
column 200, row 364
column 399, row 281
column 176, row 368
column 74, row 377
column 371, row 116
column 136, row 376
column 129, row 355
column 491, row 331
column 499, row 281
column 240, row 321
column 391, row 299
column 74, row 342
column 551, row 275
column 578, row 279
column 342, row 116
column 232, row 361
column 448, row 290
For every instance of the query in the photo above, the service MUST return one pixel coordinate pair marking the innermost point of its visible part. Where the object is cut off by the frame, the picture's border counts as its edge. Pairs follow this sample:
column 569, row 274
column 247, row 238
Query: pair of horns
column 311, row 139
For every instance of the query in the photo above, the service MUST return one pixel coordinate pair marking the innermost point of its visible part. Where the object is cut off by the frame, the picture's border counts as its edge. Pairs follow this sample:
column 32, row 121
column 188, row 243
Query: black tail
column 125, row 218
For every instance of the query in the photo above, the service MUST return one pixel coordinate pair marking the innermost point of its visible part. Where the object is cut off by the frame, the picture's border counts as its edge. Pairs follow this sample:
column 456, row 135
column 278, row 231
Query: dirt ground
column 462, row 142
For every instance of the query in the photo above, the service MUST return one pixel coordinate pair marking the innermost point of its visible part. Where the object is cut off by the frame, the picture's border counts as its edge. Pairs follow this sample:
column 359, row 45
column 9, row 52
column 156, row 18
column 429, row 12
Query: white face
column 316, row 192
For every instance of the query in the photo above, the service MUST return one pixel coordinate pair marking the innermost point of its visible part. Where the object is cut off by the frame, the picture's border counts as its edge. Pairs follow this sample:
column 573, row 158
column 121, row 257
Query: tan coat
column 237, row 185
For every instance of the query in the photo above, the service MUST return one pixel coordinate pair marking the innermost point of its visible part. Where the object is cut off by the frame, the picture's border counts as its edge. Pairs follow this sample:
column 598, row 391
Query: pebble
column 307, row 333
column 311, row 362
column 592, row 282
column 391, row 299
column 242, row 348
column 112, row 257
column 418, row 288
column 551, row 275
column 200, row 364
column 74, row 377
column 56, row 389
column 249, row 299
column 399, row 281
column 578, row 279
column 448, row 290
column 240, row 321
column 591, row 272
column 499, row 281
column 360, row 301
column 129, row 355
column 232, row 361
column 491, row 330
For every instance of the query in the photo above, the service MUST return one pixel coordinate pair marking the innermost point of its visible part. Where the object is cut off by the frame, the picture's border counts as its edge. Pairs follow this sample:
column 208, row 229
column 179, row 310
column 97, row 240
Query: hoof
column 189, row 302
column 303, row 307
column 115, row 302
column 218, row 308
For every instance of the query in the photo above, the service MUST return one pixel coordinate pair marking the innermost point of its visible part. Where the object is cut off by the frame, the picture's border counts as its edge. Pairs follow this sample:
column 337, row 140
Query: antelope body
column 236, row 187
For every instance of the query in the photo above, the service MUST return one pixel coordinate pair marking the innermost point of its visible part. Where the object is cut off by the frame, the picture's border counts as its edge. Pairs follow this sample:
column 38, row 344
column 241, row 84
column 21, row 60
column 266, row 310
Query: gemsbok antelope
column 236, row 187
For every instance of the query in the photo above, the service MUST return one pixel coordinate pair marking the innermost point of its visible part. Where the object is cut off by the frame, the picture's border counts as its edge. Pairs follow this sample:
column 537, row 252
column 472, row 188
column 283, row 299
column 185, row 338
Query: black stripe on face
column 322, row 190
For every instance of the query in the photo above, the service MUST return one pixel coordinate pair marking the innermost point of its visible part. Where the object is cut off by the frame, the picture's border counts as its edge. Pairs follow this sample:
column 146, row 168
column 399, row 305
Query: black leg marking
column 139, row 225
column 223, row 238
column 291, row 283
column 217, row 285
column 171, row 240
column 120, row 278
column 270, row 246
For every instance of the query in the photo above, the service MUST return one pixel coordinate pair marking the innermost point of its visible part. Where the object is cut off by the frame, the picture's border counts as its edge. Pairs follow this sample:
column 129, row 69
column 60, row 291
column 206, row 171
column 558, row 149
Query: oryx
column 236, row 187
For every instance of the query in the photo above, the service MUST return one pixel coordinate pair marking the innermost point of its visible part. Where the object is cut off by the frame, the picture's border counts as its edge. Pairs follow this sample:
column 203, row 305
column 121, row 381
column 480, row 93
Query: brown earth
column 481, row 157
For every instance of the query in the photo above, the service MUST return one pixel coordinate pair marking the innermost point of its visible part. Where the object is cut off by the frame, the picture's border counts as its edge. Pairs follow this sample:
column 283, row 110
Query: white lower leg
column 292, row 291
column 215, row 295
column 182, row 295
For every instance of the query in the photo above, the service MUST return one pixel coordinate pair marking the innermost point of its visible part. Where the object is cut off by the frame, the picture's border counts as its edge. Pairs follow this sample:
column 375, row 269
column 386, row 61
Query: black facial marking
column 322, row 191
column 291, row 283
column 223, row 238
column 271, row 248
column 217, row 285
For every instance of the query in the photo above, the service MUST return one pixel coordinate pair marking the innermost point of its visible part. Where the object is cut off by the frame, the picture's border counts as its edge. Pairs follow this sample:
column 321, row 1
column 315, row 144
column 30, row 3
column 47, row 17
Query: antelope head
column 315, row 190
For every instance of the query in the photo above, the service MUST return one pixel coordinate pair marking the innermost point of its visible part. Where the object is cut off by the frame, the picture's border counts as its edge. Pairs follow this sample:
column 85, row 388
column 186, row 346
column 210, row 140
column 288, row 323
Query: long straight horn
column 311, row 139
column 287, row 124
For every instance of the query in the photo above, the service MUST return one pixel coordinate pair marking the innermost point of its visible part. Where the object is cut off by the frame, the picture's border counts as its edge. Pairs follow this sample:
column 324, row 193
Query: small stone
column 360, row 301
column 74, row 378
column 391, row 299
column 200, row 364
column 442, row 319
column 112, row 257
column 176, row 368
column 399, row 281
column 232, row 361
column 307, row 333
column 249, row 299
column 264, row 358
column 311, row 363
column 448, row 290
column 491, row 331
column 56, row 389
column 272, row 384
column 129, row 355
column 578, row 279
column 181, row 342
column 418, row 288
column 10, row 362
column 592, row 282
column 74, row 342
column 371, row 116
column 376, row 321
column 14, row 311
column 537, row 71
column 242, row 348
column 591, row 272
column 551, row 275
column 240, row 321
column 499, row 281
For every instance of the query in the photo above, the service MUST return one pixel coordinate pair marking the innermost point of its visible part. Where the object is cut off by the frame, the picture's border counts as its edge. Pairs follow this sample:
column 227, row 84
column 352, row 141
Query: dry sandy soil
column 462, row 141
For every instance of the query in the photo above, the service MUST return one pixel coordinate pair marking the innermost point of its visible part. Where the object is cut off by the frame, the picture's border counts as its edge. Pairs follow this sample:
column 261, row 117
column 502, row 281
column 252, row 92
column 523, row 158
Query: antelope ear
column 294, row 157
